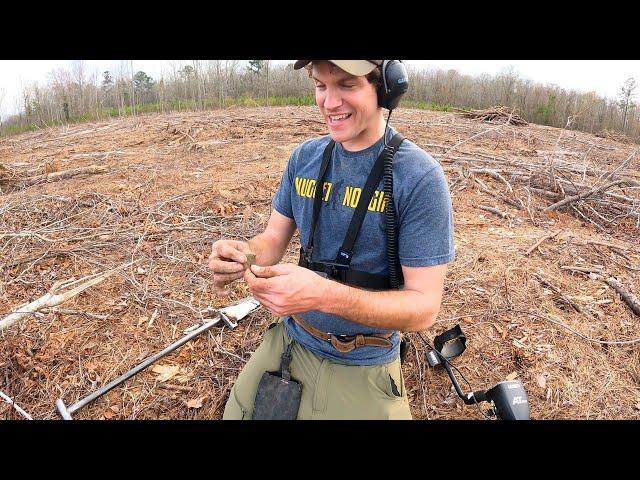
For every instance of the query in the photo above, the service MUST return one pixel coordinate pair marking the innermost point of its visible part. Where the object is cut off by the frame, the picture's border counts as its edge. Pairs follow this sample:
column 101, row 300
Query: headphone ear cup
column 395, row 82
column 382, row 89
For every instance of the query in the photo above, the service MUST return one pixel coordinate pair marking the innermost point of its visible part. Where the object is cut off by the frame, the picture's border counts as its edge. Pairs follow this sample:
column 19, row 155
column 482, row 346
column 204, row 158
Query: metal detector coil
column 451, row 343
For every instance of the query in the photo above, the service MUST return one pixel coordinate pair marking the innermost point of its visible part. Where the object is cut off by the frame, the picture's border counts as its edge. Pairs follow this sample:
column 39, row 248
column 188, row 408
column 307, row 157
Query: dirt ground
column 177, row 182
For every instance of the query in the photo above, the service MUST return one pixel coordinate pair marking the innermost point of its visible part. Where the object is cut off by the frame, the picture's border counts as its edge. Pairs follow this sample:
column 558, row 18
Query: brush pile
column 498, row 114
column 602, row 195
column 611, row 135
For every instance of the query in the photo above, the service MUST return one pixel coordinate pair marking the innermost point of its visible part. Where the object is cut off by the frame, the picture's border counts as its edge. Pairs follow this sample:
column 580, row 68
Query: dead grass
column 178, row 182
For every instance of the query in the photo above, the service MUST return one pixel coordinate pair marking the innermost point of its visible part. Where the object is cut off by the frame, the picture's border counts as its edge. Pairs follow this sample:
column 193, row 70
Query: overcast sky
column 602, row 76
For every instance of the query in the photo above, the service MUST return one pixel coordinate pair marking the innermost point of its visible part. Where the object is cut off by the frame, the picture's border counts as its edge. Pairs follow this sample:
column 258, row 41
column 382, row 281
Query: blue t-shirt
column 424, row 218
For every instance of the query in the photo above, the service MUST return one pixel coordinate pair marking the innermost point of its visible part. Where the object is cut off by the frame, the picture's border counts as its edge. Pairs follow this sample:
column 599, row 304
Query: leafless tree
column 626, row 97
column 3, row 93
column 75, row 92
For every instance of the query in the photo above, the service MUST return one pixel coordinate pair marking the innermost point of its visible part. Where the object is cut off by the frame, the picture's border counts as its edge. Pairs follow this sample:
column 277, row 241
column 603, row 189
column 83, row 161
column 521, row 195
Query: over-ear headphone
column 395, row 82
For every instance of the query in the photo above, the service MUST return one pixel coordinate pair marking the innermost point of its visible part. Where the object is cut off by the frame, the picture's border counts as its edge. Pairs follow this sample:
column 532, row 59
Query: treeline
column 535, row 102
column 76, row 95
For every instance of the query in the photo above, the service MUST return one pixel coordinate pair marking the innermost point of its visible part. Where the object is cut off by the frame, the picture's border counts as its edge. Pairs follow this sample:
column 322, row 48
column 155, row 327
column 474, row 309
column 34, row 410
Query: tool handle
column 114, row 383
column 62, row 409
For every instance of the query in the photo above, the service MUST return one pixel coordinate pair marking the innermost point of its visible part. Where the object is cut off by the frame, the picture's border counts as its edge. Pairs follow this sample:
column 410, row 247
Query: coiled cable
column 395, row 275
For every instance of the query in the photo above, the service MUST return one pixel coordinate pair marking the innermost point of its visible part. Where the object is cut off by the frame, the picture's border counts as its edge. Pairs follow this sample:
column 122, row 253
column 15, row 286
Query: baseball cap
column 354, row 67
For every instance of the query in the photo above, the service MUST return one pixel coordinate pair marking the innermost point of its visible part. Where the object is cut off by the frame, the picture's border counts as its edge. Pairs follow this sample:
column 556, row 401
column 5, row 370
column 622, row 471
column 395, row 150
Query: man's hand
column 227, row 261
column 285, row 289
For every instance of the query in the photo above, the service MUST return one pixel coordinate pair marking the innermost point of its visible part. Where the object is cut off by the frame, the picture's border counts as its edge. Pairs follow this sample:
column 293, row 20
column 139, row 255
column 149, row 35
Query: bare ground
column 178, row 182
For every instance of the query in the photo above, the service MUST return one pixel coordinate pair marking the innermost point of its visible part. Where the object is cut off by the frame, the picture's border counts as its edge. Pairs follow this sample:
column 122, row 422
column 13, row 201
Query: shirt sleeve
column 282, row 198
column 426, row 223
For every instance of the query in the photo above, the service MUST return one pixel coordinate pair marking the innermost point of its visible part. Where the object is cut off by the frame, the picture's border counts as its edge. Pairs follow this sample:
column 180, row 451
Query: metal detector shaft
column 468, row 398
column 66, row 412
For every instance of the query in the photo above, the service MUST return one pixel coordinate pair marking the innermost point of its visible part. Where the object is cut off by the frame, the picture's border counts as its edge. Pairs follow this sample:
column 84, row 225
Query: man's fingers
column 265, row 302
column 232, row 253
column 223, row 266
column 257, row 284
column 222, row 278
column 273, row 270
column 220, row 290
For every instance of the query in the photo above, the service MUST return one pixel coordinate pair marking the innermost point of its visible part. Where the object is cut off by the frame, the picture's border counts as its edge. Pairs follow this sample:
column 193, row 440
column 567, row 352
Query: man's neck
column 368, row 137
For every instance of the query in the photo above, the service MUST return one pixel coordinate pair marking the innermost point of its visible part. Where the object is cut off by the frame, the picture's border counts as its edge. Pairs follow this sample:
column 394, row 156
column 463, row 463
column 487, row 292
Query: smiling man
column 334, row 352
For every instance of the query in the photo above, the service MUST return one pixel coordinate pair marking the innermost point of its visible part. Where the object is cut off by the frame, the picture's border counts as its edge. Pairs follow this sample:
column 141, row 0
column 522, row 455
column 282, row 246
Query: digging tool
column 229, row 315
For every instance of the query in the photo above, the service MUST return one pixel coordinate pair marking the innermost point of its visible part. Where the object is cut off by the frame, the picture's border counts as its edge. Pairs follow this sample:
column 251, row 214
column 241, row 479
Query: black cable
column 392, row 251
column 475, row 401
column 390, row 216
column 386, row 127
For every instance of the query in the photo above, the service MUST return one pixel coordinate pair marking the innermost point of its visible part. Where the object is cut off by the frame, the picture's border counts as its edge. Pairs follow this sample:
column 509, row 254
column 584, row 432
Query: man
column 343, row 340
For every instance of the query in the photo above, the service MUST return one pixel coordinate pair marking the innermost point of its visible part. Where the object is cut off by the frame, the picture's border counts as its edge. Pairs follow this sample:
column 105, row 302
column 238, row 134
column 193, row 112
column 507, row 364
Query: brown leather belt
column 346, row 343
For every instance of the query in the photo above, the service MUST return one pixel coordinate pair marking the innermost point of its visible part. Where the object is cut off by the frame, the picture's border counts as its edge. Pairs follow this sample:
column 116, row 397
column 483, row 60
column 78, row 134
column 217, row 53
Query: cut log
column 55, row 176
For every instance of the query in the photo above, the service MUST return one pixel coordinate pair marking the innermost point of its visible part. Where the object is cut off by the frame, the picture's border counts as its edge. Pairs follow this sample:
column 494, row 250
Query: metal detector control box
column 510, row 399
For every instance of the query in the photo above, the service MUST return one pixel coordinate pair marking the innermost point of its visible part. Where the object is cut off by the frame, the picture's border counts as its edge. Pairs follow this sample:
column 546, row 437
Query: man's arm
column 228, row 257
column 271, row 245
column 412, row 309
column 285, row 289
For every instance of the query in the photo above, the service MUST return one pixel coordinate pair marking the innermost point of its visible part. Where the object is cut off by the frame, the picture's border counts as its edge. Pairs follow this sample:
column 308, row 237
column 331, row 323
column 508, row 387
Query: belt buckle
column 342, row 338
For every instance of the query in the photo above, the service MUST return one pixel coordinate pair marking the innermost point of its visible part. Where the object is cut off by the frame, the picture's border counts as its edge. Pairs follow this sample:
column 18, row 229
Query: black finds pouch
column 278, row 396
column 405, row 343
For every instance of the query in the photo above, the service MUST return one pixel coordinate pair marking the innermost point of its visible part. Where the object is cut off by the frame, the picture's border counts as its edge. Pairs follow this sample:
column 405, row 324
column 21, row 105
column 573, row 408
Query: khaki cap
column 354, row 67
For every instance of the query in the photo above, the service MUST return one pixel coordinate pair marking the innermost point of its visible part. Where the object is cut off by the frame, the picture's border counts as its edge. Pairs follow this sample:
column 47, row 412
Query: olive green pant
column 330, row 390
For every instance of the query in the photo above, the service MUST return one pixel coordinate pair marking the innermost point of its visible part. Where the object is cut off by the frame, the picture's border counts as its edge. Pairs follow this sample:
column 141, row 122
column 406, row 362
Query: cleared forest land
column 161, row 188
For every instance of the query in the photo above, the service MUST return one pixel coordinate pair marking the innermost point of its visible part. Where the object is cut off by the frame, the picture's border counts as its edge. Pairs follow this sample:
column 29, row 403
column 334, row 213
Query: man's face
column 349, row 105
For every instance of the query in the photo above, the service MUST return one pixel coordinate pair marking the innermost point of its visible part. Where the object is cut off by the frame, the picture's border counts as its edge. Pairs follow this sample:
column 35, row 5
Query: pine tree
column 256, row 66
column 186, row 72
column 142, row 84
column 107, row 79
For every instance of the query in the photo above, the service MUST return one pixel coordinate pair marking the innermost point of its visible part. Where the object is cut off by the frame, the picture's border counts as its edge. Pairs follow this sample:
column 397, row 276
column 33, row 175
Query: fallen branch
column 583, row 195
column 24, row 234
column 493, row 174
column 53, row 298
column 67, row 311
column 55, row 176
column 544, row 317
column 13, row 404
column 606, row 244
column 539, row 242
column 586, row 270
column 589, row 339
column 558, row 292
column 506, row 200
column 629, row 298
column 493, row 210
column 180, row 388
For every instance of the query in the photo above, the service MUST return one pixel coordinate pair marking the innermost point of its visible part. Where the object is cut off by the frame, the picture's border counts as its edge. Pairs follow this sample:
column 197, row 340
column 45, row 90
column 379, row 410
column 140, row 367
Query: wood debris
column 164, row 203
column 498, row 114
